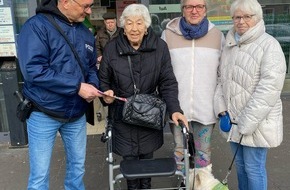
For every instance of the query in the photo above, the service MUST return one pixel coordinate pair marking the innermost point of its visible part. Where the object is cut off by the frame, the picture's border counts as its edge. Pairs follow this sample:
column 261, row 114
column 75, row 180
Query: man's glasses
column 190, row 8
column 246, row 18
column 85, row 7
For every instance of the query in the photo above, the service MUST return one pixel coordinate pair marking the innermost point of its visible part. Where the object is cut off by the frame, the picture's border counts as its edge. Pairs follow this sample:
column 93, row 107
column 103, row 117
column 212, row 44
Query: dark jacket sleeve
column 105, row 72
column 98, row 45
column 168, row 86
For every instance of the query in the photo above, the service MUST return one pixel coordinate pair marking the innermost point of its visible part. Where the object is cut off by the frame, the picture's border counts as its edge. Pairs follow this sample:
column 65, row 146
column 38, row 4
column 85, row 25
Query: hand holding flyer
column 116, row 97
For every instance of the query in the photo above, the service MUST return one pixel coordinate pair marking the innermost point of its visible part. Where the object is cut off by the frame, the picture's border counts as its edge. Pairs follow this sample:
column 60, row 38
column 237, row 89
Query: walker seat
column 159, row 167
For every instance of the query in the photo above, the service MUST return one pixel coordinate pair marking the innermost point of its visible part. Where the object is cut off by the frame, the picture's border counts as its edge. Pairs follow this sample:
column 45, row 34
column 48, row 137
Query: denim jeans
column 202, row 143
column 42, row 131
column 250, row 164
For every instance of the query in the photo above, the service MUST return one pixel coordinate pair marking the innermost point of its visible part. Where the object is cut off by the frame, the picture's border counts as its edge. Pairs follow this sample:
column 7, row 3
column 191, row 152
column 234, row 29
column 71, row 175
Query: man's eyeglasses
column 85, row 7
column 246, row 18
column 190, row 8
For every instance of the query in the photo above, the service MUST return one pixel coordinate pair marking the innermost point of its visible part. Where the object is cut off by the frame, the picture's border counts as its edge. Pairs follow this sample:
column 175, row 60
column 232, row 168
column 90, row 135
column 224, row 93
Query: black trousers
column 140, row 183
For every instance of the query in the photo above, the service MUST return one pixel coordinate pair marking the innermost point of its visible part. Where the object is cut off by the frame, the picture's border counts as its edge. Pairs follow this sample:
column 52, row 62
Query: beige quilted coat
column 251, row 78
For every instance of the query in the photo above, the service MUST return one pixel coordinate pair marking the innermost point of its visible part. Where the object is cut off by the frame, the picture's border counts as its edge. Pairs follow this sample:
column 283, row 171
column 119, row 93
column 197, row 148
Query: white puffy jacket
column 252, row 75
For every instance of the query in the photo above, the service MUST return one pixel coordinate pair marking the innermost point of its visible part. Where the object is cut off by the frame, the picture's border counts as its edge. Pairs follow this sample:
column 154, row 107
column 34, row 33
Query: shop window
column 23, row 9
column 276, row 17
column 162, row 11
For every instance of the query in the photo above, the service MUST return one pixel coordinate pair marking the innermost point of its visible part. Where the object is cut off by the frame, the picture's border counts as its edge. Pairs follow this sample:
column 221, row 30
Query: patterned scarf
column 193, row 31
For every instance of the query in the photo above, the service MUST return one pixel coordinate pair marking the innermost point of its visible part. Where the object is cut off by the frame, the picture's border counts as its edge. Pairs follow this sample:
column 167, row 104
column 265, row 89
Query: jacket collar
column 50, row 7
column 248, row 37
column 148, row 44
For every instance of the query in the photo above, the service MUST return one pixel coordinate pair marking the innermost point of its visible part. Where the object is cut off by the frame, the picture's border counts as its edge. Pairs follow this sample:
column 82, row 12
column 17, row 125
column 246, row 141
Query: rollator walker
column 146, row 168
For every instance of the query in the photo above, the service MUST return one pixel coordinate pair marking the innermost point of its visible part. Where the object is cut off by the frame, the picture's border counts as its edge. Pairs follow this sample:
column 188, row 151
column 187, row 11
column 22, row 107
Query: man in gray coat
column 110, row 31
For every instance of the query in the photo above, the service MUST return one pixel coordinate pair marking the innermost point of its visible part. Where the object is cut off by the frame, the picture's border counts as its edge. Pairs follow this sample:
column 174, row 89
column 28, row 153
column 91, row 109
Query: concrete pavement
column 14, row 165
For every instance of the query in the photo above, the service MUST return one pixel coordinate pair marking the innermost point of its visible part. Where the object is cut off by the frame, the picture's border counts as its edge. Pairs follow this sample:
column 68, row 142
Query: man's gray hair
column 136, row 10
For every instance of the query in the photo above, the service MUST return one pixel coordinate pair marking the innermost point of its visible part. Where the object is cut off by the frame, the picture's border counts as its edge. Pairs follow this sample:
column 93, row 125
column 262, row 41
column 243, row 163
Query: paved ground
column 14, row 164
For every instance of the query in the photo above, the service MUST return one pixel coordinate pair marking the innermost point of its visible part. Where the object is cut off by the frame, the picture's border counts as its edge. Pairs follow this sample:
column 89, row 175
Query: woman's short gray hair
column 182, row 3
column 251, row 6
column 136, row 10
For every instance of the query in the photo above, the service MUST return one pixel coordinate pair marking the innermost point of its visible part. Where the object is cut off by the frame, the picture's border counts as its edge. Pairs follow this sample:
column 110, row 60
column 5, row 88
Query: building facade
column 276, row 16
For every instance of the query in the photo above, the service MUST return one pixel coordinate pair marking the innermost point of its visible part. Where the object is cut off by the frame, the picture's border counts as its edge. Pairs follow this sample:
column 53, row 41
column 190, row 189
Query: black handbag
column 146, row 110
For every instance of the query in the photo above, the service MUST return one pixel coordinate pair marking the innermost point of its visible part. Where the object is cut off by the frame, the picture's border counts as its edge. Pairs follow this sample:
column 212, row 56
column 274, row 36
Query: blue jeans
column 42, row 131
column 250, row 164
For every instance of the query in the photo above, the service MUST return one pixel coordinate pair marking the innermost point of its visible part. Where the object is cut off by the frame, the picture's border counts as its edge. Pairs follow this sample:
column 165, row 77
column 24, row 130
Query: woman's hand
column 108, row 96
column 222, row 113
column 179, row 116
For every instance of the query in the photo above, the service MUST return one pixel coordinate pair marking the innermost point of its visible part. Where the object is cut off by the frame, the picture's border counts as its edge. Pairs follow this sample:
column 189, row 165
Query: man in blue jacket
column 58, row 86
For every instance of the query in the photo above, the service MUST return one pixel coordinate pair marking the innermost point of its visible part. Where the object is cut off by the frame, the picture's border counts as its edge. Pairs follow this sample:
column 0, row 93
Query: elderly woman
column 252, row 75
column 152, row 69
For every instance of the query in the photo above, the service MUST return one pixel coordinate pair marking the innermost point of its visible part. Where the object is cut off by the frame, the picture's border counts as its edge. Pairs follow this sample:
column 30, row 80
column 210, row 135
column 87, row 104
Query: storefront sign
column 5, row 15
column 164, row 8
column 7, row 39
column 7, row 50
column 7, row 34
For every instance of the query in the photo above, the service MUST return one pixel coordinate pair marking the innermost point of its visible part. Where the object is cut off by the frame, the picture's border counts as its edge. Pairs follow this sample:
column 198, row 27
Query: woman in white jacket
column 195, row 46
column 252, row 74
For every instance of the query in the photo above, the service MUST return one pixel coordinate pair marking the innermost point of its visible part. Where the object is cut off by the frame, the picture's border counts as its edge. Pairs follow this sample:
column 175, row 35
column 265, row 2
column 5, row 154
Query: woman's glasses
column 246, row 18
column 190, row 8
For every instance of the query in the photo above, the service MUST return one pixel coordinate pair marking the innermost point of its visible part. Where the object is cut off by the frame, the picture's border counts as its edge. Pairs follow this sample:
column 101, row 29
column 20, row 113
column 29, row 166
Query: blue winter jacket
column 52, row 75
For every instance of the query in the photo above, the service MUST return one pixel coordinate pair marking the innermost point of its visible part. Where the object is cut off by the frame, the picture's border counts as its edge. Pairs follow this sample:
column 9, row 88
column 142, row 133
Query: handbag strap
column 53, row 22
column 136, row 90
